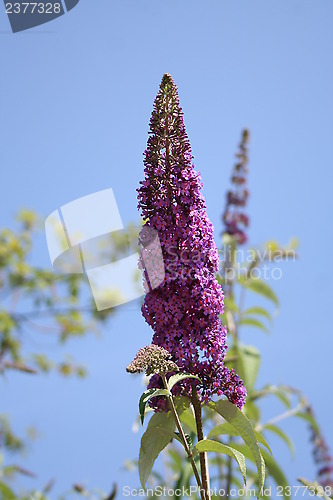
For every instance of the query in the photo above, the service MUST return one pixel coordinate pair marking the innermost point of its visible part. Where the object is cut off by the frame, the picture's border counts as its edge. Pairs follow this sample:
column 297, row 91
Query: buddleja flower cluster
column 152, row 359
column 184, row 309
column 234, row 217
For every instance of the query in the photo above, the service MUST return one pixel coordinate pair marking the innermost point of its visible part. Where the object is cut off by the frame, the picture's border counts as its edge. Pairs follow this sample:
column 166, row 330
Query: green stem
column 182, row 435
column 203, row 456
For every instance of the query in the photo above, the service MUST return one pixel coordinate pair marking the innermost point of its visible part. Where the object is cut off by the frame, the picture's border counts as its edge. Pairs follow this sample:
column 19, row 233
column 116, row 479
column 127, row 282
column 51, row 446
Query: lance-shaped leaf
column 248, row 364
column 162, row 419
column 227, row 429
column 243, row 425
column 309, row 418
column 178, row 377
column 160, row 431
column 273, row 468
column 250, row 321
column 260, row 287
column 263, row 441
column 209, row 445
column 146, row 396
column 230, row 305
column 279, row 432
column 153, row 442
column 222, row 429
column 187, row 418
column 277, row 474
column 261, row 311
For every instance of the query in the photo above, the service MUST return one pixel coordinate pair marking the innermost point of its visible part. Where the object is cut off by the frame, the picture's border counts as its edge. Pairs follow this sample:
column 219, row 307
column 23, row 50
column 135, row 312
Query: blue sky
column 76, row 97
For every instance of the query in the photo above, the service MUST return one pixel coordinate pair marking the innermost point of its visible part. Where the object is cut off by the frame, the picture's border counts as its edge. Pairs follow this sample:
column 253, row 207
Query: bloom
column 184, row 309
column 234, row 218
column 152, row 359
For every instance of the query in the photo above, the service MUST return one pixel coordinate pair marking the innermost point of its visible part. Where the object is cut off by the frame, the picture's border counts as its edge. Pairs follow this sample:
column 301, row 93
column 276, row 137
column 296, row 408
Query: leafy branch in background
column 37, row 302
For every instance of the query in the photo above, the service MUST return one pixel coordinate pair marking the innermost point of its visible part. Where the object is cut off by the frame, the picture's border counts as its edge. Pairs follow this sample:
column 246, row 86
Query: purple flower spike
column 184, row 309
column 234, row 218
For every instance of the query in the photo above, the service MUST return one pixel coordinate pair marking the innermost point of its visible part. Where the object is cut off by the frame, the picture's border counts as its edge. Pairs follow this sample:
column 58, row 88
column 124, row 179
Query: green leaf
column 153, row 441
column 231, row 431
column 263, row 441
column 273, row 468
column 248, row 320
column 162, row 419
column 277, row 474
column 252, row 411
column 150, row 393
column 209, row 445
column 160, row 431
column 260, row 287
column 185, row 473
column 243, row 425
column 178, row 377
column 309, row 418
column 248, row 365
column 166, row 419
column 279, row 432
column 182, row 404
column 222, row 429
column 187, row 418
column 230, row 305
column 6, row 492
column 177, row 462
column 261, row 311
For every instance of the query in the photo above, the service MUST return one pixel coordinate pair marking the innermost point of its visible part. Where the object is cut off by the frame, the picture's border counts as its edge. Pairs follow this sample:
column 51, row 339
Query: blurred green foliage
column 38, row 300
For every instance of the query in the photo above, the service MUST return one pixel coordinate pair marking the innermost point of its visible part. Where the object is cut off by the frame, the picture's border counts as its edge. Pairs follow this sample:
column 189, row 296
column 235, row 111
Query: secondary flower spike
column 234, row 217
column 184, row 309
